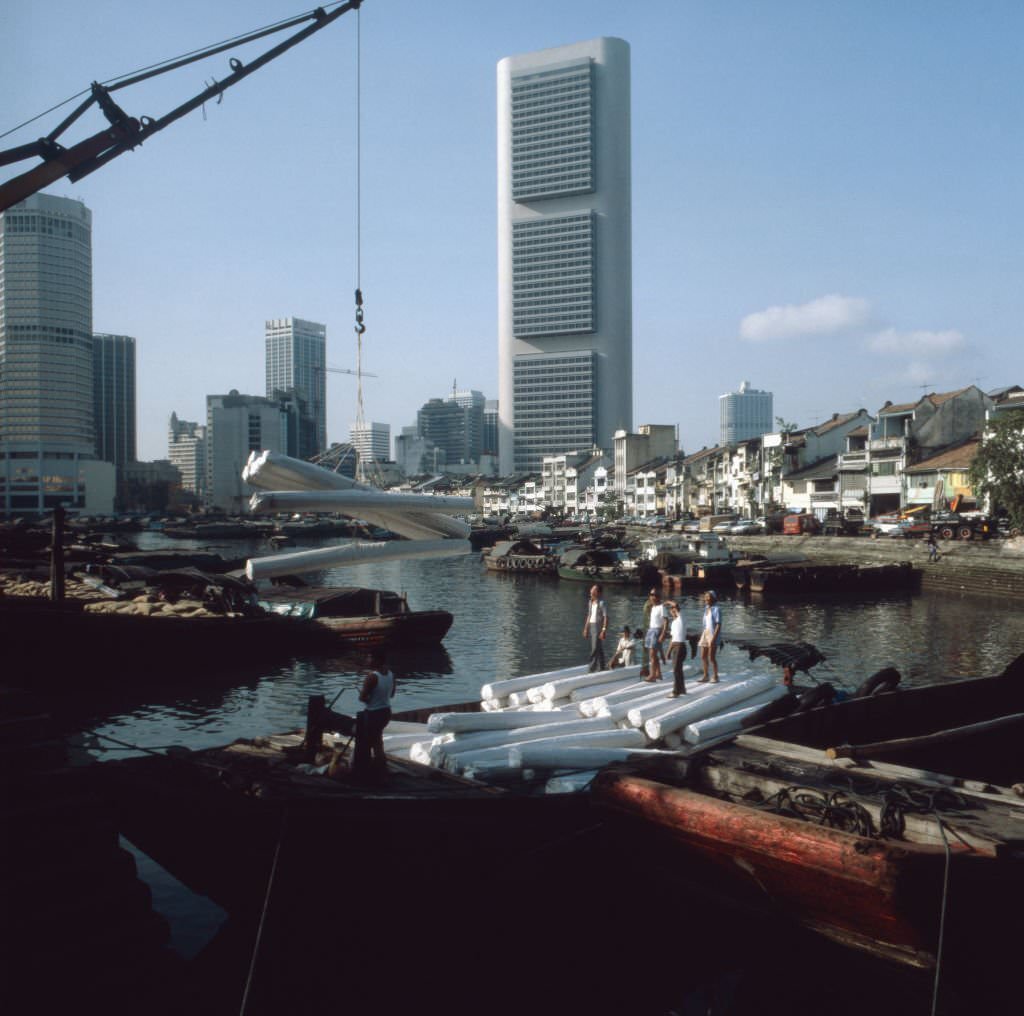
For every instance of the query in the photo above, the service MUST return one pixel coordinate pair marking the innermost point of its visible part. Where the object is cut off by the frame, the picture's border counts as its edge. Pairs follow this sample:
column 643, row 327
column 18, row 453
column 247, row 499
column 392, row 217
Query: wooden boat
column 885, row 822
column 800, row 578
column 520, row 556
column 212, row 817
column 360, row 617
column 605, row 565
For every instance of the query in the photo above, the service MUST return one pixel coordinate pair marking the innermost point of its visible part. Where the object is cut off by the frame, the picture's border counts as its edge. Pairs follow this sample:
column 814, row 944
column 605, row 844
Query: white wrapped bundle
column 414, row 516
column 491, row 705
column 702, row 731
column 394, row 744
column 620, row 712
column 517, row 699
column 563, row 686
column 708, row 705
column 589, row 693
column 552, row 755
column 460, row 723
column 257, row 568
column 634, row 690
column 266, row 470
column 493, row 738
column 500, row 689
column 643, row 709
column 459, row 763
column 570, row 783
column 420, row 752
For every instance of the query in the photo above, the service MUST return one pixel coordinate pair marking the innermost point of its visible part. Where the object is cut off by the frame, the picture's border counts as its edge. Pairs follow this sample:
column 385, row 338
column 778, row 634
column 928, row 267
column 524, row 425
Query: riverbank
column 991, row 568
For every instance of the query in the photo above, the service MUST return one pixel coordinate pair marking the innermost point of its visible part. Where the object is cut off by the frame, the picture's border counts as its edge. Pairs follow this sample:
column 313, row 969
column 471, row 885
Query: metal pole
column 57, row 556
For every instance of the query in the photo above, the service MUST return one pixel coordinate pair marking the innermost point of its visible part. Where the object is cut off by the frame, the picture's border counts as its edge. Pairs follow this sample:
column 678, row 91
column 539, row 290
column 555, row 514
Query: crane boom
column 126, row 132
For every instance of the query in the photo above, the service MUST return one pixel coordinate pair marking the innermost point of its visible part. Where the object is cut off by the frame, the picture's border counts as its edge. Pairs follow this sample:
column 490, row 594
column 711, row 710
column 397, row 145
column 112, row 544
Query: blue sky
column 826, row 196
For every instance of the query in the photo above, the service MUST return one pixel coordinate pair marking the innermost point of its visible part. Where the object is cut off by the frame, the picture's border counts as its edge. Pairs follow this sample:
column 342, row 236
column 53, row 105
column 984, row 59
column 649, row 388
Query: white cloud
column 826, row 315
column 915, row 343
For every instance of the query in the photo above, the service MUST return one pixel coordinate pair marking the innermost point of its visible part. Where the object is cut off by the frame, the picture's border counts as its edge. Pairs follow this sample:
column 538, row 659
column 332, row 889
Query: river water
column 507, row 625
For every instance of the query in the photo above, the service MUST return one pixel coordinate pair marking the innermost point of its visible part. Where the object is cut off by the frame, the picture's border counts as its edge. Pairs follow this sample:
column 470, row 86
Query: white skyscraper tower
column 744, row 414
column 565, row 342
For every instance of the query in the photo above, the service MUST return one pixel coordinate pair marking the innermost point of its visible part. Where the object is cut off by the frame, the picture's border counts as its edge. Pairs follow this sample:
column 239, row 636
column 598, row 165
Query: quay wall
column 991, row 568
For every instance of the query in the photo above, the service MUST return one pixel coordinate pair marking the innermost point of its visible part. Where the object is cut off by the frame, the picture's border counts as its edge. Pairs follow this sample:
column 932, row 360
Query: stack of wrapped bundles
column 567, row 724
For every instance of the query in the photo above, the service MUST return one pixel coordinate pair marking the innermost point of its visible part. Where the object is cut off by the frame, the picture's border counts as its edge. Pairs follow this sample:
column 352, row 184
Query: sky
column 827, row 196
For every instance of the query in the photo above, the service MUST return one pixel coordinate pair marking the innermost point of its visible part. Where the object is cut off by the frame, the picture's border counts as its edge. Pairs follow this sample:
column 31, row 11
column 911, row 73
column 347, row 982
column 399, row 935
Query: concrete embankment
column 993, row 568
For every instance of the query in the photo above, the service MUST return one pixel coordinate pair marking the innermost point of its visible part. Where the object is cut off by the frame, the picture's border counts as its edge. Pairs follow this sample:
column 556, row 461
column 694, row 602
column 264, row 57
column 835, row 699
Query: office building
column 186, row 449
column 490, row 441
column 235, row 426
column 744, row 414
column 113, row 383
column 296, row 364
column 564, row 251
column 47, row 441
column 372, row 441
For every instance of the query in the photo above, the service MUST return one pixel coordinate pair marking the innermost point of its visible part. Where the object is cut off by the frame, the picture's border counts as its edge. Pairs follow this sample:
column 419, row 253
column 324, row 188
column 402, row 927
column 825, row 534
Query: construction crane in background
column 345, row 370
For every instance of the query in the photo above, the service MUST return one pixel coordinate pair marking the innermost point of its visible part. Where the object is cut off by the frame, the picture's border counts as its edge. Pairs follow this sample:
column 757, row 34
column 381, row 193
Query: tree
column 784, row 427
column 997, row 472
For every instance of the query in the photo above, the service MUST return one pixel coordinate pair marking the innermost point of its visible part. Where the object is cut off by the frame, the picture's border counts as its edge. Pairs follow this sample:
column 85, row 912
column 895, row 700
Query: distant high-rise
column 113, row 382
column 186, row 449
column 744, row 414
column 490, row 441
column 235, row 426
column 297, row 363
column 372, row 441
column 564, row 251
column 47, row 441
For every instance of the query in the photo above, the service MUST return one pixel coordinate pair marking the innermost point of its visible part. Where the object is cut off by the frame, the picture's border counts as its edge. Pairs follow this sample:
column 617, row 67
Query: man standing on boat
column 677, row 650
column 657, row 626
column 368, row 761
column 596, row 627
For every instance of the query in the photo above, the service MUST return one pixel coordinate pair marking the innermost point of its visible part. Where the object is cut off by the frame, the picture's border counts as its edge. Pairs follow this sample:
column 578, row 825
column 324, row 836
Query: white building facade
column 296, row 360
column 744, row 414
column 564, row 251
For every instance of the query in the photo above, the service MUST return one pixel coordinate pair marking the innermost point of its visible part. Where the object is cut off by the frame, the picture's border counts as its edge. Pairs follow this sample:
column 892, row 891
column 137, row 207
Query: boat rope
column 835, row 810
column 263, row 914
column 942, row 914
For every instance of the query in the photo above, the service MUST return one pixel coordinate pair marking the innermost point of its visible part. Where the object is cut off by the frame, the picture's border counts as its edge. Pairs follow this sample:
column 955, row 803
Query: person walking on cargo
column 710, row 636
column 677, row 649
column 596, row 627
column 657, row 625
column 368, row 760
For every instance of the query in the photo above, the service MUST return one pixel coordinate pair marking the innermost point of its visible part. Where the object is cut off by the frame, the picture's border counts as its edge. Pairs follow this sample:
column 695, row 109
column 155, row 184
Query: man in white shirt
column 656, row 629
column 677, row 649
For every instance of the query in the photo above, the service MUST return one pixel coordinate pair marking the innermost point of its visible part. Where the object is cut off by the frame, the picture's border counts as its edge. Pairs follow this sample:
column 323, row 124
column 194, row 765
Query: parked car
column 748, row 527
column 723, row 527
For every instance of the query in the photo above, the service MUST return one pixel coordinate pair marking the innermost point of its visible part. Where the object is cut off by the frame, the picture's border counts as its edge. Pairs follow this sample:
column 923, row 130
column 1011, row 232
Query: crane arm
column 126, row 132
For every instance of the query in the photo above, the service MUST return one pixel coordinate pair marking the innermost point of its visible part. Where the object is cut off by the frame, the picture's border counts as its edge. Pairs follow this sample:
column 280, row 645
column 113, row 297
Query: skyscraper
column 296, row 363
column 743, row 414
column 113, row 382
column 564, row 251
column 47, row 443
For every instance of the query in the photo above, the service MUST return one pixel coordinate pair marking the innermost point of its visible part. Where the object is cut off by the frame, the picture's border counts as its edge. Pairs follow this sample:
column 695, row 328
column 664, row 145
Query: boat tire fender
column 821, row 695
column 879, row 683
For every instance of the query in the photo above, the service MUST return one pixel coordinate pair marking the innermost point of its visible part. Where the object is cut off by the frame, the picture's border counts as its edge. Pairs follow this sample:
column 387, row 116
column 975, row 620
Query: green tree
column 783, row 427
column 997, row 472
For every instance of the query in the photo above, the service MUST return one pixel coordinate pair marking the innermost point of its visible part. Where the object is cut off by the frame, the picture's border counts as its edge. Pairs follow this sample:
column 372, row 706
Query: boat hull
column 877, row 896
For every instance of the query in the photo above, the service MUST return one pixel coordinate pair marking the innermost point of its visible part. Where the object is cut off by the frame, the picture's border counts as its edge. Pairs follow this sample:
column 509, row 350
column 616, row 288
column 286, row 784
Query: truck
column 800, row 524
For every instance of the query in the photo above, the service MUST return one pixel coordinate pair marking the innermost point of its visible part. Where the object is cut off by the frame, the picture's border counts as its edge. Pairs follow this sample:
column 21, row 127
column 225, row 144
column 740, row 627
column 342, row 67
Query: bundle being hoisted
column 287, row 484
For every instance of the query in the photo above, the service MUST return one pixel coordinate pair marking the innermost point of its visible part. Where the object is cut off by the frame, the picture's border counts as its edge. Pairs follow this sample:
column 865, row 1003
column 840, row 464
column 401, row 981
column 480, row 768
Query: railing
column 886, row 442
